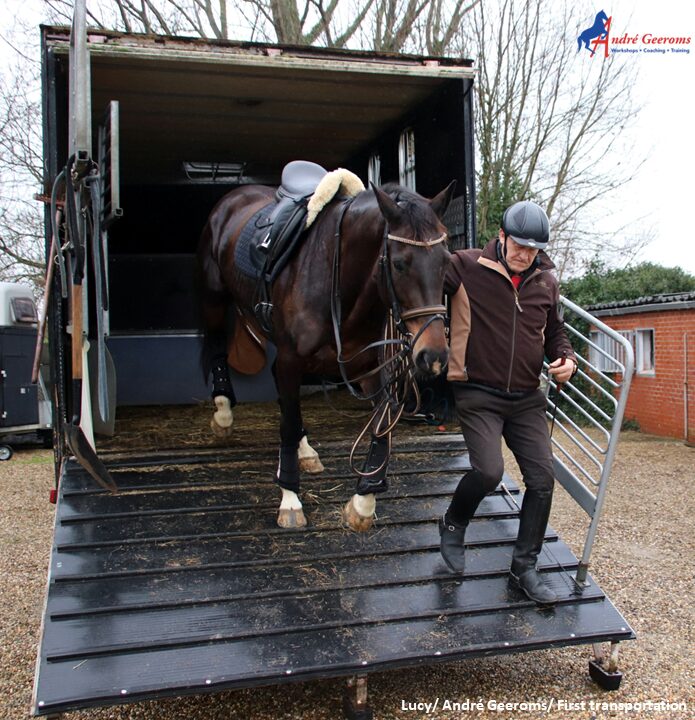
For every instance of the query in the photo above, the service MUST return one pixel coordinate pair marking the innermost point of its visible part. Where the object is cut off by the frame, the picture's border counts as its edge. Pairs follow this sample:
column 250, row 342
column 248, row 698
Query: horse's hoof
column 219, row 431
column 311, row 465
column 355, row 521
column 291, row 519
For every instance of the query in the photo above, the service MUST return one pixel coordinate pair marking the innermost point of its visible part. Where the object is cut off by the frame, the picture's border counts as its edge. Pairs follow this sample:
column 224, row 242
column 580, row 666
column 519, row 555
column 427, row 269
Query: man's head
column 525, row 230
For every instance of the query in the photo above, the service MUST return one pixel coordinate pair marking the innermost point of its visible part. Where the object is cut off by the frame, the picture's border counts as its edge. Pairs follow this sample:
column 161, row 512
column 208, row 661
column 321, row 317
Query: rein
column 395, row 349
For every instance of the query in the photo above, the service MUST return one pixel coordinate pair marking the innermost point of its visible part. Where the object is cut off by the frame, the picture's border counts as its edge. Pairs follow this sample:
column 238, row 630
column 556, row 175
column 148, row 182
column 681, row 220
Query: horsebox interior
column 197, row 118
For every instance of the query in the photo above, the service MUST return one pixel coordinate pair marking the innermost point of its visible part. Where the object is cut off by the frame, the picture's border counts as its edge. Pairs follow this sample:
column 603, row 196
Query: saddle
column 271, row 236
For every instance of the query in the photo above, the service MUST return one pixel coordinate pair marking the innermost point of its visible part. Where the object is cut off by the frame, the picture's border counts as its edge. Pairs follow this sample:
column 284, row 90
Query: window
column 23, row 310
column 644, row 351
column 406, row 159
column 374, row 169
column 609, row 352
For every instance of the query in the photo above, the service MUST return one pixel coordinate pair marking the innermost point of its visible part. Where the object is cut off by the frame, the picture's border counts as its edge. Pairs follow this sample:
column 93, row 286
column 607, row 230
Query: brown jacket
column 499, row 335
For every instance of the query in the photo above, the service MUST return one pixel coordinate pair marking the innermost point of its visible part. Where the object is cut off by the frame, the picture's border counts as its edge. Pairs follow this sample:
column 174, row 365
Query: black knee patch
column 377, row 456
column 288, row 477
column 221, row 384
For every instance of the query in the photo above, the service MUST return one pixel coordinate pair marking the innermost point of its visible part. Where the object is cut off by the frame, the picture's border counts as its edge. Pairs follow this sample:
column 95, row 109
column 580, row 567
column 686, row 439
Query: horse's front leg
column 287, row 379
column 360, row 510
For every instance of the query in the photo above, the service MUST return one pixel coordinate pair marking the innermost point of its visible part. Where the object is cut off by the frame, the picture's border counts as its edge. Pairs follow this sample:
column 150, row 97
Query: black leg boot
column 535, row 511
column 451, row 545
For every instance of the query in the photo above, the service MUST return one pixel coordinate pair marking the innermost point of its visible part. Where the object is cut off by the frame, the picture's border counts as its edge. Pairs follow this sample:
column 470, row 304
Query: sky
column 659, row 200
column 663, row 132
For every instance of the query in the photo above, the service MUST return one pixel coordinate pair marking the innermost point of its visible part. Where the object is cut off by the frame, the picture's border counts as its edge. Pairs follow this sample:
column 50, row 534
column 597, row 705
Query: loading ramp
column 183, row 584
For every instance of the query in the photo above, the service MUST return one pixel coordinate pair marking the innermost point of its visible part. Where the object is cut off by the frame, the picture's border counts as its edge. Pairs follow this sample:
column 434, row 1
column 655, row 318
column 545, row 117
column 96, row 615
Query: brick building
column 661, row 329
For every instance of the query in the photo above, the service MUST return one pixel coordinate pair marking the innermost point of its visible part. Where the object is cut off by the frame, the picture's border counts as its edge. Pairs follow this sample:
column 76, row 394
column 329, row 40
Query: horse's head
column 415, row 262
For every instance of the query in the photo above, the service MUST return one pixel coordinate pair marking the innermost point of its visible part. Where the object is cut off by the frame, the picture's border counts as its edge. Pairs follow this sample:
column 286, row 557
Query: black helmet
column 527, row 224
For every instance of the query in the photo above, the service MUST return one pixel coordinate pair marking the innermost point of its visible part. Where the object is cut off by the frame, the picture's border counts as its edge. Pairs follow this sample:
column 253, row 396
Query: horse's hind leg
column 215, row 363
column 309, row 460
column 287, row 379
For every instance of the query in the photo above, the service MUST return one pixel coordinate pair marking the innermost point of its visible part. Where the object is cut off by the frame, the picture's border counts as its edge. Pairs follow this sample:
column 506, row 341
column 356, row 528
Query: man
column 504, row 320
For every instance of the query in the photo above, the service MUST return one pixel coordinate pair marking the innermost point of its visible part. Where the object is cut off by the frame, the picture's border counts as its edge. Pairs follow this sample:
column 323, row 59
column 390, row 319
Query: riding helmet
column 527, row 224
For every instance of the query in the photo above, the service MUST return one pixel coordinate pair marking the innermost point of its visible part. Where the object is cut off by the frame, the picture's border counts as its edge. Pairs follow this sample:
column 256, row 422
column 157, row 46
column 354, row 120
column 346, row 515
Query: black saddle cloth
column 247, row 257
column 269, row 238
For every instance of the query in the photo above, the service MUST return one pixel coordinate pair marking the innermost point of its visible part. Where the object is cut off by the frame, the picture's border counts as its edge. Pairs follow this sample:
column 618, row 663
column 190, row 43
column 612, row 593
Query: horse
column 381, row 251
column 597, row 30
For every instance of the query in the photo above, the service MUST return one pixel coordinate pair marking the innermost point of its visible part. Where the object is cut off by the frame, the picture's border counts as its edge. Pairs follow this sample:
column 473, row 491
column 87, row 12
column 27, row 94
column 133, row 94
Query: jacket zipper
column 520, row 309
column 511, row 359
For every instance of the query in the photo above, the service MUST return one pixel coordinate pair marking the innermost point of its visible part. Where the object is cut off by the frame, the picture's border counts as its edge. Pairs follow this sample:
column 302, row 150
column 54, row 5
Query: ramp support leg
column 355, row 699
column 604, row 669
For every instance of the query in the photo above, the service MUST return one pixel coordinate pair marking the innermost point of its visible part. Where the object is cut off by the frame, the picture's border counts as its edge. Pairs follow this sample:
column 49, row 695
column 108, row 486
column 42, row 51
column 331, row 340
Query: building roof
column 648, row 303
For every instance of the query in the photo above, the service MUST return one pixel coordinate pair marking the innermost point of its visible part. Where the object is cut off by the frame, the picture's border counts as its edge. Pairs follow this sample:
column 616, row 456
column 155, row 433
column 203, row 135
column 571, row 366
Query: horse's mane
column 419, row 214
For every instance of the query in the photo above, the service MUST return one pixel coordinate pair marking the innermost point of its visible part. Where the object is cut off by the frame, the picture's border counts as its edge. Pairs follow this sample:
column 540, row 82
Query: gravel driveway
column 643, row 560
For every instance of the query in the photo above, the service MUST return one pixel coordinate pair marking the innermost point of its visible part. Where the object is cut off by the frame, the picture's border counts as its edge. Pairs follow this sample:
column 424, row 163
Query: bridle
column 438, row 312
column 394, row 350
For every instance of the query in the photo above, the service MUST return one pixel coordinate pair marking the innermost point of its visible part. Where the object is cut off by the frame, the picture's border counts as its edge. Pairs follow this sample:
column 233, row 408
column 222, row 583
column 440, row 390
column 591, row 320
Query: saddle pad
column 255, row 230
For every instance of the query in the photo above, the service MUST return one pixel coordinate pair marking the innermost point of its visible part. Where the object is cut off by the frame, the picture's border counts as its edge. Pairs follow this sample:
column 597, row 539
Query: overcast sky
column 660, row 199
column 664, row 186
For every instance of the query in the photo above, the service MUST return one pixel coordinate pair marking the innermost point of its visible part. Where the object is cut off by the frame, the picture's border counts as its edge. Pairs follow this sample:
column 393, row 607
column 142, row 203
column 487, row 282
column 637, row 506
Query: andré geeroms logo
column 599, row 34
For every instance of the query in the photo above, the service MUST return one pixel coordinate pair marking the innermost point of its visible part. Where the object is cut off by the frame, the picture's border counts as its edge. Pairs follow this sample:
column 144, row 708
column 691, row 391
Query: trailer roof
column 215, row 101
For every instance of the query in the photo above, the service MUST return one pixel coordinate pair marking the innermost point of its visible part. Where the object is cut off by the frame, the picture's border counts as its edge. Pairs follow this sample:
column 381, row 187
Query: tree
column 21, row 216
column 549, row 122
column 546, row 120
column 305, row 22
column 603, row 284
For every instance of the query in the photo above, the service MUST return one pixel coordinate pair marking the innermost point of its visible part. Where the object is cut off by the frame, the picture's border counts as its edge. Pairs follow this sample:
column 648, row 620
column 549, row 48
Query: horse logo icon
column 597, row 34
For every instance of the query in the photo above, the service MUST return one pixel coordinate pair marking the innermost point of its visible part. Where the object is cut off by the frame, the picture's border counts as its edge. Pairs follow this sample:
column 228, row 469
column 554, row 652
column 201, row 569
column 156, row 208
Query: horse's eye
column 401, row 264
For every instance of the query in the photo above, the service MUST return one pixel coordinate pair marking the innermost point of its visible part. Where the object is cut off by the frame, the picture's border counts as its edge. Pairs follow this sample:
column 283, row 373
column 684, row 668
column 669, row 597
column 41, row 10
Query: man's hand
column 562, row 369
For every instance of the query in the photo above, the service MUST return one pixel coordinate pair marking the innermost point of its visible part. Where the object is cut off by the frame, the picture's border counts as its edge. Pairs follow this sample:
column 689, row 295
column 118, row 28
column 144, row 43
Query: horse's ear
column 439, row 203
column 388, row 206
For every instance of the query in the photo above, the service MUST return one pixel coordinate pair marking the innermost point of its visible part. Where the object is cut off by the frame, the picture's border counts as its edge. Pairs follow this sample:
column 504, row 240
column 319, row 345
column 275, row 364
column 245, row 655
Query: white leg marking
column 290, row 500
column 308, row 457
column 364, row 504
column 358, row 514
column 222, row 418
column 290, row 512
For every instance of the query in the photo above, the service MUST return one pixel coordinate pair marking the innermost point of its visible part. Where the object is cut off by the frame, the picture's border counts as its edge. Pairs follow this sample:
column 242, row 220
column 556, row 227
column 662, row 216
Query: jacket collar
column 490, row 254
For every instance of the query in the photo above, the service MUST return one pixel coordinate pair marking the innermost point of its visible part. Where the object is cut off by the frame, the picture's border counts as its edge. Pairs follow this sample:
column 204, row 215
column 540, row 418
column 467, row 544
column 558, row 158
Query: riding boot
column 451, row 546
column 535, row 510
column 471, row 490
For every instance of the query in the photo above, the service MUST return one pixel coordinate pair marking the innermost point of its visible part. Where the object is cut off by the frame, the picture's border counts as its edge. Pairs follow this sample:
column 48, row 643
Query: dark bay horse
column 392, row 254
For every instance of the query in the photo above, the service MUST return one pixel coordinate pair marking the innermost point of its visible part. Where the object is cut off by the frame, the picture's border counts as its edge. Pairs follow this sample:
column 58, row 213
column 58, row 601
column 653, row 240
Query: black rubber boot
column 535, row 510
column 451, row 545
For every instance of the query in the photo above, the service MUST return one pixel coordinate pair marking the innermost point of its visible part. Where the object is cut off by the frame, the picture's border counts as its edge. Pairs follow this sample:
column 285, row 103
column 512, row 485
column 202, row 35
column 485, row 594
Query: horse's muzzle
column 431, row 362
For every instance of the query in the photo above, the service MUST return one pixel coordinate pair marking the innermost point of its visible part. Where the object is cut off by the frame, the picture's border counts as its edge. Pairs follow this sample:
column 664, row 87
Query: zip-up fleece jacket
column 498, row 334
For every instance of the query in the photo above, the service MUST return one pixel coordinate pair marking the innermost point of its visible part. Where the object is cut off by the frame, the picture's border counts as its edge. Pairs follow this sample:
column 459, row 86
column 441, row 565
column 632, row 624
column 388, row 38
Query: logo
column 596, row 35
column 644, row 42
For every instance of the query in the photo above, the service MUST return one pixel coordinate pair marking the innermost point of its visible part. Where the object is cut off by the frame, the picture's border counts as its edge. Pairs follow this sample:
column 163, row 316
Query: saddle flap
column 246, row 350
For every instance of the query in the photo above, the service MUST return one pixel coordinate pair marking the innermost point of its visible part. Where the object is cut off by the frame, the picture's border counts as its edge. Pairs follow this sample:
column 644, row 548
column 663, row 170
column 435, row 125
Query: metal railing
column 587, row 415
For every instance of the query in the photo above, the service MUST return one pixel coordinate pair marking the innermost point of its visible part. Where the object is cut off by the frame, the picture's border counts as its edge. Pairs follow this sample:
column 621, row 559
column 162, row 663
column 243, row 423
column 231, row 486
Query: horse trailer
column 25, row 410
column 180, row 582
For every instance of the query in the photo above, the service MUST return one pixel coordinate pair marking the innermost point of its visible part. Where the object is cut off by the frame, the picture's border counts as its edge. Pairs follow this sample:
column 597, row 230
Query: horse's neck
column 360, row 279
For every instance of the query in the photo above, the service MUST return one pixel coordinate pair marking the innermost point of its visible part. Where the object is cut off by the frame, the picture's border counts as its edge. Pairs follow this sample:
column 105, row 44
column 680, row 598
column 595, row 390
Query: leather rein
column 394, row 350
